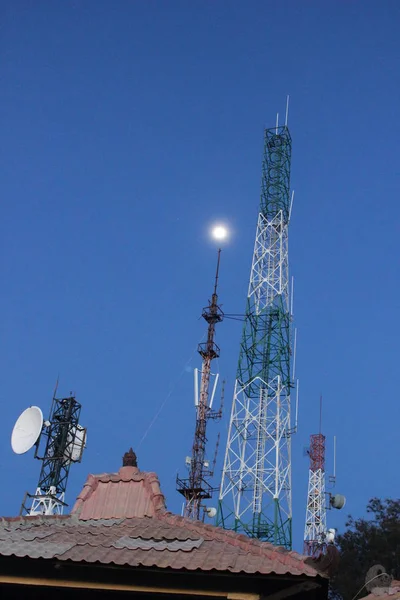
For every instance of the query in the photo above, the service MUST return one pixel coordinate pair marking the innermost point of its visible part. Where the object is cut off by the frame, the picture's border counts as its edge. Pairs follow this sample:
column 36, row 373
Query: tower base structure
column 44, row 503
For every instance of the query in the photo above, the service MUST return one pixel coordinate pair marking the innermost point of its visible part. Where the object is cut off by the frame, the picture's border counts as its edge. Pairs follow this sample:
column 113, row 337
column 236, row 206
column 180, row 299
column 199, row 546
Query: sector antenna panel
column 76, row 444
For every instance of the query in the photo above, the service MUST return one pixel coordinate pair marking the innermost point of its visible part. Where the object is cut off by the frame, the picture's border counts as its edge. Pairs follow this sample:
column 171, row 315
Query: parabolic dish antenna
column 27, row 430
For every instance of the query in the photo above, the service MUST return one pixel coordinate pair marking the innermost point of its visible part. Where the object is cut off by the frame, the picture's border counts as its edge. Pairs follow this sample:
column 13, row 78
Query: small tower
column 316, row 535
column 315, row 527
column 64, row 441
column 197, row 487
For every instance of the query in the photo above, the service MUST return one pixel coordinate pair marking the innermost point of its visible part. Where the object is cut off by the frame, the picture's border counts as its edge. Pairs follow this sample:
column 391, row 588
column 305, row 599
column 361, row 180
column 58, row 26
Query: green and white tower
column 255, row 494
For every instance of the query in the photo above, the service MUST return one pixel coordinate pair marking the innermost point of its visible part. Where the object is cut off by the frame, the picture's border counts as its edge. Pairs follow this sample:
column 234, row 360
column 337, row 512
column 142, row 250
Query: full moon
column 219, row 232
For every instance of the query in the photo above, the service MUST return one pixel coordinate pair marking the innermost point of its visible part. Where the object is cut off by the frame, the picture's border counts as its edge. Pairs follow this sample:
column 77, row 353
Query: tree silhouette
column 368, row 542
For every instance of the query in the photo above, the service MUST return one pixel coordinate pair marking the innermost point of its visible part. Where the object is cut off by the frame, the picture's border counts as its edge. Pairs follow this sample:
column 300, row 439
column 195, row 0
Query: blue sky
column 127, row 127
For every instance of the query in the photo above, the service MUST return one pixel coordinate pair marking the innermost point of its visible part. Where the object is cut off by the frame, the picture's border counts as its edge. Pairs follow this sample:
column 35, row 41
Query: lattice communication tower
column 315, row 527
column 64, row 441
column 197, row 487
column 255, row 493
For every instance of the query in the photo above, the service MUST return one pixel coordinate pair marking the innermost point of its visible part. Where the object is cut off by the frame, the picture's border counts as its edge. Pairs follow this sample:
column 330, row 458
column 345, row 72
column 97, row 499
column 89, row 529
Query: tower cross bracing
column 255, row 493
column 315, row 526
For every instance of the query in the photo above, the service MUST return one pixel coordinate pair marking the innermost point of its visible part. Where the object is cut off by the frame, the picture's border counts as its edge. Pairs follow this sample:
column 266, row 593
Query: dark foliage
column 367, row 542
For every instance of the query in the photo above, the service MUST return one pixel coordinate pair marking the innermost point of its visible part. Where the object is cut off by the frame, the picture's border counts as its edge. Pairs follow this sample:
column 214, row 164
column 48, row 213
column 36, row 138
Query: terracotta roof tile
column 128, row 493
column 120, row 518
column 146, row 541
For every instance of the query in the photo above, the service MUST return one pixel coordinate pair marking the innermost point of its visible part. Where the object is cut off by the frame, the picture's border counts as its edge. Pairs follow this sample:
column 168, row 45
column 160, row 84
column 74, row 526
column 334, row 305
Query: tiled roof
column 121, row 519
column 163, row 541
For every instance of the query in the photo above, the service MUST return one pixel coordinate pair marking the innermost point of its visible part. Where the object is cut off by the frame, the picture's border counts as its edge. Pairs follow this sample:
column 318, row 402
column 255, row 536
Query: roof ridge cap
column 153, row 487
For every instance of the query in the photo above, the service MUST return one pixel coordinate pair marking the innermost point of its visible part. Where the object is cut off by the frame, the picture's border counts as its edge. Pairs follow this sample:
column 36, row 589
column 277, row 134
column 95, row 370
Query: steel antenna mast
column 315, row 526
column 255, row 492
column 64, row 440
column 197, row 487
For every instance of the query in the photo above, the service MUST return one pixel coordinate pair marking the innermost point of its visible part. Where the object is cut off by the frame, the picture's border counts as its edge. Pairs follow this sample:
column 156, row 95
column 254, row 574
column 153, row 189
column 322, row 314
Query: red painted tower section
column 317, row 452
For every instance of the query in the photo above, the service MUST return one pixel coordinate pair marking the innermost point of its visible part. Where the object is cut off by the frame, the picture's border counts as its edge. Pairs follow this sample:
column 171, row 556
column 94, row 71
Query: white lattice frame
column 47, row 504
column 315, row 526
column 264, row 466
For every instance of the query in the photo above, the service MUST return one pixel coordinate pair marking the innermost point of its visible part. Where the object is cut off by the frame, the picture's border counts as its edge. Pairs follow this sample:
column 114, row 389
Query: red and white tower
column 315, row 528
column 197, row 487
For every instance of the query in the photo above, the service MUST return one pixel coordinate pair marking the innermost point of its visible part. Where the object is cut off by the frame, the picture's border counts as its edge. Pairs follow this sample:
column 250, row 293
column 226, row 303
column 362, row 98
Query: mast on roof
column 59, row 442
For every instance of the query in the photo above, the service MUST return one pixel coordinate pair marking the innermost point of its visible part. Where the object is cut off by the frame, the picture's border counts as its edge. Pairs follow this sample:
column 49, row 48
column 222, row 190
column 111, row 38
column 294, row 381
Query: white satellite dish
column 27, row 430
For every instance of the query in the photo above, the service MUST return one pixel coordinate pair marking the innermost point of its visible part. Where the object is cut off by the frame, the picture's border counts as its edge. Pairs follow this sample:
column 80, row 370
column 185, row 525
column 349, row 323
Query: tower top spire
column 217, row 272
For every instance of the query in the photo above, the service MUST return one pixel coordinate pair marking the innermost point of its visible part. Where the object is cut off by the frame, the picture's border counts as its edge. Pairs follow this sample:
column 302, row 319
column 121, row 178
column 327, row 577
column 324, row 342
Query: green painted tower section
column 255, row 492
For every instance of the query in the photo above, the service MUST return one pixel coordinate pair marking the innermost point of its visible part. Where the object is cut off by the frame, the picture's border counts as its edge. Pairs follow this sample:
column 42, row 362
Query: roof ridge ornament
column 129, row 459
